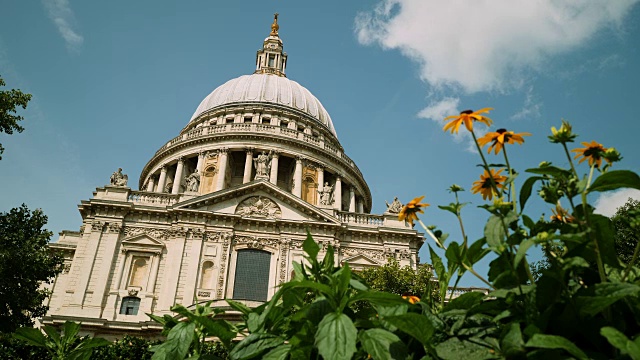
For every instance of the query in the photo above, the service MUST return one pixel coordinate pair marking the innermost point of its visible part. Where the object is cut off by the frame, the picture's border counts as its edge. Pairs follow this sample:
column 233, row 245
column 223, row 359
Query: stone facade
column 231, row 197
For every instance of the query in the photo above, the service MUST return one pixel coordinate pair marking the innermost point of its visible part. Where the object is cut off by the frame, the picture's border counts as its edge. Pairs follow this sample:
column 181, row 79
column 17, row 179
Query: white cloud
column 62, row 16
column 485, row 45
column 440, row 109
column 607, row 203
column 530, row 108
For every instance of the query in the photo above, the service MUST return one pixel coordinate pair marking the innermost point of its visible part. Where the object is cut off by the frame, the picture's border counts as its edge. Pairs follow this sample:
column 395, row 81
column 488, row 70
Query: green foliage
column 402, row 280
column 9, row 101
column 129, row 347
column 61, row 346
column 25, row 263
column 187, row 334
column 626, row 222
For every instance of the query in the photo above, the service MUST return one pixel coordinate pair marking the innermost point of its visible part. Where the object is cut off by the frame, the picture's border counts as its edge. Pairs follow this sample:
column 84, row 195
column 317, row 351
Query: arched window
column 130, row 305
column 138, row 271
column 206, row 277
column 252, row 275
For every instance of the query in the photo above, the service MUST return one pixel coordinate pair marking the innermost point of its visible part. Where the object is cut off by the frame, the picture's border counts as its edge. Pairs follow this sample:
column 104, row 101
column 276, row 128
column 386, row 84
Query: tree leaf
column 555, row 342
column 620, row 341
column 381, row 344
column 413, row 324
column 525, row 190
column 465, row 301
column 616, row 179
column 336, row 337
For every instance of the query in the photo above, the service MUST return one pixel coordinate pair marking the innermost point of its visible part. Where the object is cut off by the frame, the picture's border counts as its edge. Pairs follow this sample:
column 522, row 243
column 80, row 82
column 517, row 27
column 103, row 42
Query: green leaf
column 336, row 337
column 455, row 349
column 605, row 295
column 554, row 171
column 465, row 301
column 238, row 306
column 31, row 336
column 413, row 324
column 253, row 345
column 528, row 222
column 555, row 342
column 523, row 248
column 620, row 341
column 308, row 284
column 310, row 247
column 278, row 353
column 382, row 344
column 525, row 190
column 494, row 231
column 177, row 344
column 218, row 328
column 616, row 179
column 605, row 234
column 511, row 343
column 378, row 298
column 476, row 252
column 358, row 285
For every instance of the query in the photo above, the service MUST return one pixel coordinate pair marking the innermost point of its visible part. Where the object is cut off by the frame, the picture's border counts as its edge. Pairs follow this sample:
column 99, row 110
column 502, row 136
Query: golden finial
column 275, row 26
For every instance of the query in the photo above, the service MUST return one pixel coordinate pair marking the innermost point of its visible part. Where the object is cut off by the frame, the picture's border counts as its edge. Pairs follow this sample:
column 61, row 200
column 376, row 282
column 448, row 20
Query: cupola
column 271, row 59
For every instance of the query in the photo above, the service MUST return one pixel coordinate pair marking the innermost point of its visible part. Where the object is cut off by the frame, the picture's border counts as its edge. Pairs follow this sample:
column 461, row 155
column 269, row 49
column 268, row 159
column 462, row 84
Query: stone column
column 177, row 179
column 297, row 178
column 248, row 165
column 274, row 168
column 200, row 161
column 222, row 163
column 320, row 178
column 151, row 183
column 361, row 206
column 337, row 193
column 352, row 199
column 163, row 179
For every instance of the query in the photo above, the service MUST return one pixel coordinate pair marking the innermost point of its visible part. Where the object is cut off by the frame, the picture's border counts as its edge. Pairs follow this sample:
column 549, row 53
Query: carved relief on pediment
column 370, row 253
column 260, row 207
column 255, row 242
column 154, row 233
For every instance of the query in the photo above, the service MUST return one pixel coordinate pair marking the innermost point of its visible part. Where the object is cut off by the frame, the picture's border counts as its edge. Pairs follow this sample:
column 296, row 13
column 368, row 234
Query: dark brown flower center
column 467, row 112
column 501, row 131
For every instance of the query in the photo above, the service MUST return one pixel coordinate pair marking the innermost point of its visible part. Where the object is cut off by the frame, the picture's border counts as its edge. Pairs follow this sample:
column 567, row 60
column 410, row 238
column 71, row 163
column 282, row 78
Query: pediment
column 259, row 200
column 142, row 242
column 360, row 261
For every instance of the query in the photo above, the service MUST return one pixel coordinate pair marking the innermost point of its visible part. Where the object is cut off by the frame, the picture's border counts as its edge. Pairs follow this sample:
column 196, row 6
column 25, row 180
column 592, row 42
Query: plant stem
column 431, row 234
column 566, row 151
column 601, row 272
column 512, row 188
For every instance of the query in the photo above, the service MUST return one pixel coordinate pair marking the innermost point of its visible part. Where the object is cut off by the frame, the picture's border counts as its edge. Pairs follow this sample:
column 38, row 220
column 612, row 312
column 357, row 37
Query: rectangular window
column 130, row 306
column 252, row 275
column 229, row 120
column 272, row 59
column 248, row 120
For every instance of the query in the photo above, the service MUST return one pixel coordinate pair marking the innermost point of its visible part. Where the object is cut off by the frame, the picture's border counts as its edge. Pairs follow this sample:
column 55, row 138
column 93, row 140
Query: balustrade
column 264, row 128
column 150, row 198
column 361, row 219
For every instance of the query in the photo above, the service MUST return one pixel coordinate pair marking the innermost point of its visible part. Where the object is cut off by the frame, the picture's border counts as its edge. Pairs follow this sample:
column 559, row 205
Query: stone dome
column 266, row 88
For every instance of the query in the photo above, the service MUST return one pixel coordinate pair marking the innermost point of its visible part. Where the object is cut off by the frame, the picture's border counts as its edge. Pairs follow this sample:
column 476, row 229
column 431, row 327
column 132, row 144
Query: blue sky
column 113, row 81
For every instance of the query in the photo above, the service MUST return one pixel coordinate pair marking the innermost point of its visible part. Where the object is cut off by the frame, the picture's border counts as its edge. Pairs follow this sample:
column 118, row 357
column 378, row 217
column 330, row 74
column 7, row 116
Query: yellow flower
column 411, row 298
column 467, row 117
column 501, row 137
column 484, row 186
column 410, row 210
column 592, row 151
column 561, row 215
